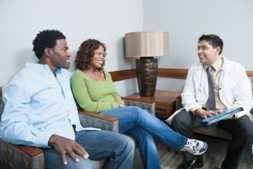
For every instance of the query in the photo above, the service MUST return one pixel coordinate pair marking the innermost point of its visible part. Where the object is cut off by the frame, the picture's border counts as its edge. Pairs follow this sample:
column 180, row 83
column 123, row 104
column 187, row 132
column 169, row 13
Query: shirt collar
column 37, row 65
column 42, row 66
column 217, row 65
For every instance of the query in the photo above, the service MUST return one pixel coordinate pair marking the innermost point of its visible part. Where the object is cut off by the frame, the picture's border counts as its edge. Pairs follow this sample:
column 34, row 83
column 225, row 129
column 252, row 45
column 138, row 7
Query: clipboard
column 227, row 114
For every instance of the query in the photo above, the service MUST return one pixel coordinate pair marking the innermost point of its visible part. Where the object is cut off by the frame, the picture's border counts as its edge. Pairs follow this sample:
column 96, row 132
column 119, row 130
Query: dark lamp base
column 147, row 71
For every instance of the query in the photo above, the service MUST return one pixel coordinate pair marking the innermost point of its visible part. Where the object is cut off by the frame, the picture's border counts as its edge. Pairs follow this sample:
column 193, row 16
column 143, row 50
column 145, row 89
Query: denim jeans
column 117, row 150
column 142, row 126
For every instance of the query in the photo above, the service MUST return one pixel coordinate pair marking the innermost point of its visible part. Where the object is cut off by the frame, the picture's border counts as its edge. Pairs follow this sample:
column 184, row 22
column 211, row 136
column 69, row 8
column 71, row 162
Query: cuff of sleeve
column 43, row 139
column 240, row 114
column 246, row 111
column 192, row 108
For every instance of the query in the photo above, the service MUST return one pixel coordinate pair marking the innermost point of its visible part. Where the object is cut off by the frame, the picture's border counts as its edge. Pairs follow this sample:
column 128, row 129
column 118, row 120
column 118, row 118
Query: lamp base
column 146, row 71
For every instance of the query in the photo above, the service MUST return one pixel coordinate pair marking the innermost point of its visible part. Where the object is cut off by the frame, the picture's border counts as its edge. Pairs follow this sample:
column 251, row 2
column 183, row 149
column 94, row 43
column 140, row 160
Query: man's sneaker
column 195, row 147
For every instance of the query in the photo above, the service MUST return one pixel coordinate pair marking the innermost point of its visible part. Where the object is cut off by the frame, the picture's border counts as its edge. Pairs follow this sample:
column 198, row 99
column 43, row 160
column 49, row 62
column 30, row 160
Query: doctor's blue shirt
column 38, row 104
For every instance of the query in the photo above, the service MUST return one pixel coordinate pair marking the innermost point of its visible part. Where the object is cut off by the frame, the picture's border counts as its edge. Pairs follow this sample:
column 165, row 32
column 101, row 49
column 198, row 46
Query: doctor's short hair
column 214, row 40
column 46, row 39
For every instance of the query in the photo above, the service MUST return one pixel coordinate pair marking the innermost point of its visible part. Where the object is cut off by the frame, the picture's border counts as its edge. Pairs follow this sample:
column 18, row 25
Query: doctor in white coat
column 215, row 84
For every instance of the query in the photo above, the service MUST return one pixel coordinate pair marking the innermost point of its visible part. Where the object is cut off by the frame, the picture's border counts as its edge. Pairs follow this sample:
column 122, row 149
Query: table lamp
column 145, row 47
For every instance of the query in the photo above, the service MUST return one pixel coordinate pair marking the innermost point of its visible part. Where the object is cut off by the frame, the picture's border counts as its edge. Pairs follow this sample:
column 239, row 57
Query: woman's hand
column 122, row 104
column 65, row 146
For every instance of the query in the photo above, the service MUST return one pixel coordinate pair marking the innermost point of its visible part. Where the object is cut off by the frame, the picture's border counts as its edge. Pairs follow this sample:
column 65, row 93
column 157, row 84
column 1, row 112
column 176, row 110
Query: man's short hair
column 214, row 40
column 46, row 39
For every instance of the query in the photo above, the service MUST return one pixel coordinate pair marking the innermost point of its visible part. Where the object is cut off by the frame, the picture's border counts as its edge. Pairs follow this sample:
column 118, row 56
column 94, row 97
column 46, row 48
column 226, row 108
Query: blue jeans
column 115, row 148
column 142, row 126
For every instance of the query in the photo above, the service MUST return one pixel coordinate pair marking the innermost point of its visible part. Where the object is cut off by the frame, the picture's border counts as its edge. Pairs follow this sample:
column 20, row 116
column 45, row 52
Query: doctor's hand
column 65, row 146
column 204, row 113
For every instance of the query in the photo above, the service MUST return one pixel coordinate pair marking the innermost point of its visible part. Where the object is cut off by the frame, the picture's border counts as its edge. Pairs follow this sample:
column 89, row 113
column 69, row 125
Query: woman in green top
column 94, row 91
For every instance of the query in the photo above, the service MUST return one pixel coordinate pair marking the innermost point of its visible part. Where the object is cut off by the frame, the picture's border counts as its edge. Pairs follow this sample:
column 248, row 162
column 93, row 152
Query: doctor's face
column 207, row 53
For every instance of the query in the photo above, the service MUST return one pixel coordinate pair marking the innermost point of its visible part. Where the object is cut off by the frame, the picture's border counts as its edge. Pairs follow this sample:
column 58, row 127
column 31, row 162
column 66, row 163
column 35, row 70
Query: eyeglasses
column 101, row 53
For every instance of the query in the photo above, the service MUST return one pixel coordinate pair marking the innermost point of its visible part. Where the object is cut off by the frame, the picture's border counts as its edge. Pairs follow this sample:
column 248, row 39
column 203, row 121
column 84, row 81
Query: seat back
column 1, row 103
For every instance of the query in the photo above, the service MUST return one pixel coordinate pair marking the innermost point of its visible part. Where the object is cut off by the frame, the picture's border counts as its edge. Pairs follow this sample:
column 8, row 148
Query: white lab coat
column 234, row 88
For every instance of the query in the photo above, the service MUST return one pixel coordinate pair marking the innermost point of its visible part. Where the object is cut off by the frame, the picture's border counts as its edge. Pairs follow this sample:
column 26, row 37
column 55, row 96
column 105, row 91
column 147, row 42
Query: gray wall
column 109, row 20
column 186, row 20
column 106, row 20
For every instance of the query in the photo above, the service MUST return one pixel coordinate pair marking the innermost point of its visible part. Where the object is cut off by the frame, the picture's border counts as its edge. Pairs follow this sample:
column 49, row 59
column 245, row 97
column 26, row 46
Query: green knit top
column 93, row 95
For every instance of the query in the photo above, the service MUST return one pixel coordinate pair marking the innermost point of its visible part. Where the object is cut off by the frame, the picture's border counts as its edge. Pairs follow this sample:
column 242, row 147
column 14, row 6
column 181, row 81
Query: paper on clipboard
column 169, row 120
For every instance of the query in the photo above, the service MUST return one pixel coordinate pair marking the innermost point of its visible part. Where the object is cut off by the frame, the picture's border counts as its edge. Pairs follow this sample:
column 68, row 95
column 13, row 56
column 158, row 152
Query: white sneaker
column 195, row 147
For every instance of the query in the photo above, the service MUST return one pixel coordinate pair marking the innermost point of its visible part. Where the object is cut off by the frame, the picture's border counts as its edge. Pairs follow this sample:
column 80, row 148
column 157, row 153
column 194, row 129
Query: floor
column 213, row 158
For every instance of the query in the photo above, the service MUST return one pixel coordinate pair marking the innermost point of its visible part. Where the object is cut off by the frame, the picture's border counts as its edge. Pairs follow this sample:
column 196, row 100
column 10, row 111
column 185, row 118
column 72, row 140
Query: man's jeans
column 115, row 148
column 142, row 126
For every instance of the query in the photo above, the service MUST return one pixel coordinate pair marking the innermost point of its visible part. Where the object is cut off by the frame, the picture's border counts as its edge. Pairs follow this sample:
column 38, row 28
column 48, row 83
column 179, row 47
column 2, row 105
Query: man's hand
column 203, row 113
column 65, row 146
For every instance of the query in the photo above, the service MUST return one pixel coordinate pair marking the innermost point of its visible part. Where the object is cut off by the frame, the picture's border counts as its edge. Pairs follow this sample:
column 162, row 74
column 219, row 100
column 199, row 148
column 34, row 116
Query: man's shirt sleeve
column 16, row 126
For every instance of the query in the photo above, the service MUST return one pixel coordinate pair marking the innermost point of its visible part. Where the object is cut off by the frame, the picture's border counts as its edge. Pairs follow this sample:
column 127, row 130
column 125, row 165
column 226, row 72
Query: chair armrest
column 150, row 107
column 21, row 157
column 91, row 119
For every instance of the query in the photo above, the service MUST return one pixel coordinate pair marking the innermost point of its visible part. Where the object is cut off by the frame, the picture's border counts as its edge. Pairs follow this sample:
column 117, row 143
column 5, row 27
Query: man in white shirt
column 213, row 85
column 40, row 111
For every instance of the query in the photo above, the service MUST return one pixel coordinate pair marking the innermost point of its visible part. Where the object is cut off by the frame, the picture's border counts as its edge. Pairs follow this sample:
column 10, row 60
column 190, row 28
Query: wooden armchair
column 26, row 157
column 107, row 122
column 112, row 124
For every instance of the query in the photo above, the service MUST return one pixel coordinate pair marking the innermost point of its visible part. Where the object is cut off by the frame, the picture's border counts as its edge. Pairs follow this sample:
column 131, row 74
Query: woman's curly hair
column 86, row 52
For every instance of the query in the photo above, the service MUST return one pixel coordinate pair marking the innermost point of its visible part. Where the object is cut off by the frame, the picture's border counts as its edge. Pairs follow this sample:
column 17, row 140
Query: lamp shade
column 146, row 44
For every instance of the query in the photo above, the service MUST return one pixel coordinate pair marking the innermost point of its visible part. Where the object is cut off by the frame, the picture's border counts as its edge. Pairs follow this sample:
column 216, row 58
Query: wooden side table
column 164, row 102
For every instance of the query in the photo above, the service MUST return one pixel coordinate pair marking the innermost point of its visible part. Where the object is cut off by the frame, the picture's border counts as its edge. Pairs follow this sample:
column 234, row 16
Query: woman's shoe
column 195, row 147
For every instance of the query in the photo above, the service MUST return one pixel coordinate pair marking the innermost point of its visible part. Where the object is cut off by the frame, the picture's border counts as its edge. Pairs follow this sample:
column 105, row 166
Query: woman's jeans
column 142, row 126
column 116, row 149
